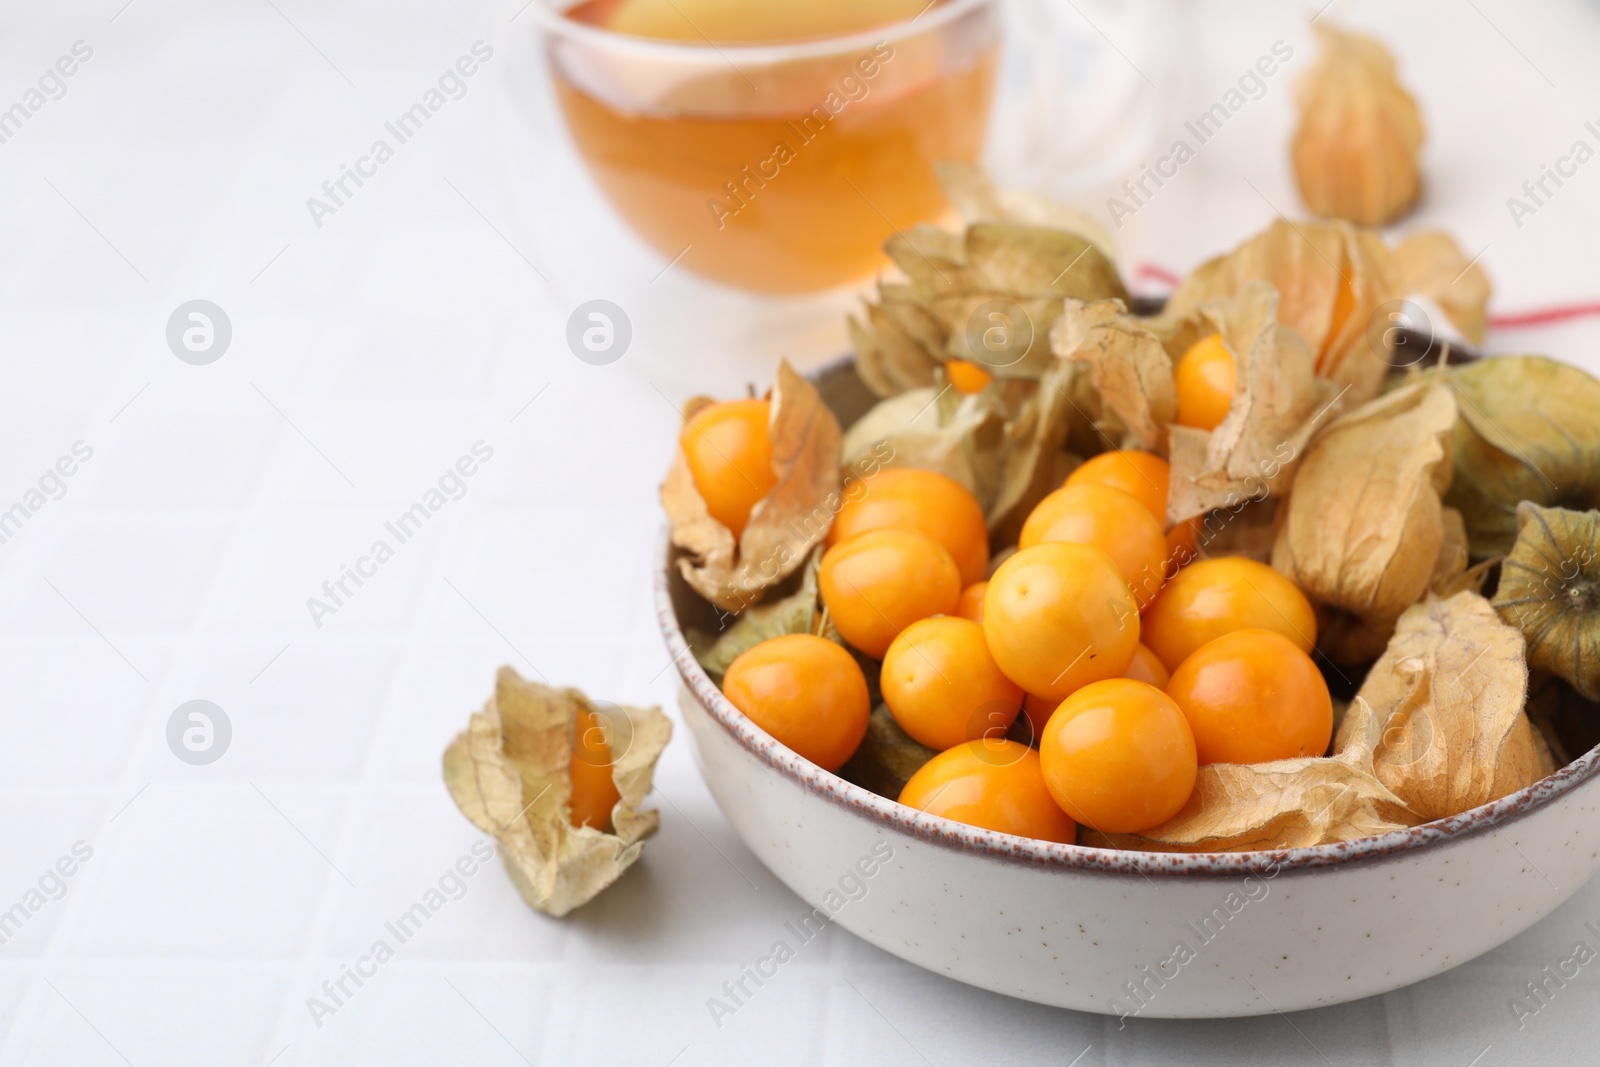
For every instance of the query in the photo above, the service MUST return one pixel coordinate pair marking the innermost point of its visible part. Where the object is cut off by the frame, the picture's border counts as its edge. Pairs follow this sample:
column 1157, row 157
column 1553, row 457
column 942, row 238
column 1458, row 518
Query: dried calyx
column 1445, row 701
column 1356, row 148
column 1364, row 529
column 1332, row 278
column 1529, row 430
column 1433, row 265
column 798, row 613
column 511, row 773
column 1278, row 401
column 1009, row 445
column 1550, row 590
column 987, row 295
column 734, row 573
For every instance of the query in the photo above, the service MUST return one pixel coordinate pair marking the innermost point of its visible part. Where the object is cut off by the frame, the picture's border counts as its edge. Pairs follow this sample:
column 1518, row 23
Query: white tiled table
column 368, row 354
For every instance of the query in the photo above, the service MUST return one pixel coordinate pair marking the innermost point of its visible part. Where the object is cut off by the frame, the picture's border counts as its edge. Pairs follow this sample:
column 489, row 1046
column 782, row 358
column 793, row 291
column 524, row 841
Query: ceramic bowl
column 1130, row 933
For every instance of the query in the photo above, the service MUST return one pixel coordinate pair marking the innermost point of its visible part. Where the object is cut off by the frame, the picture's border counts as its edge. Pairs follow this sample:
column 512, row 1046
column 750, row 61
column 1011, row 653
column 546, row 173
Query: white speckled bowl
column 1138, row 933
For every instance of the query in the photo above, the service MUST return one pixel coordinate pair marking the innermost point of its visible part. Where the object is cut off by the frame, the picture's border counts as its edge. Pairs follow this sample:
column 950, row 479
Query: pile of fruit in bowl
column 1239, row 574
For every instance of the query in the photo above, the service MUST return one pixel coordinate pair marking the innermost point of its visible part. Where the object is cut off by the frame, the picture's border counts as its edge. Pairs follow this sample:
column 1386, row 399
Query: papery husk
column 901, row 344
column 1529, row 430
column 784, row 526
column 1293, row 803
column 1550, row 591
column 1278, row 404
column 1330, row 276
column 988, row 295
column 886, row 758
column 1127, row 363
column 1475, row 579
column 1450, row 565
column 1025, row 261
column 889, row 360
column 1437, row 728
column 932, row 260
column 1022, row 322
column 1028, row 270
column 1355, row 149
column 1363, row 528
column 1434, row 266
column 976, row 198
column 798, row 613
column 1446, row 702
column 1247, row 530
column 509, row 772
column 1034, row 459
column 932, row 430
column 1005, row 444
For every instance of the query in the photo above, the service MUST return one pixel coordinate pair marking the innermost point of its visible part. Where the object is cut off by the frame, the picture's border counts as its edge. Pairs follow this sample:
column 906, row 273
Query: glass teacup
column 779, row 167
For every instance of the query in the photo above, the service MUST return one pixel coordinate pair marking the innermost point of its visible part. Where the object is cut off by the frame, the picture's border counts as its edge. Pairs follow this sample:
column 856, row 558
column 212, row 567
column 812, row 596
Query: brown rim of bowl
column 936, row 830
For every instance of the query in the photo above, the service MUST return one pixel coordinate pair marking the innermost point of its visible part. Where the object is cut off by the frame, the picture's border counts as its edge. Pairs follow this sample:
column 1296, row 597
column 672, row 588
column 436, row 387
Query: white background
column 368, row 354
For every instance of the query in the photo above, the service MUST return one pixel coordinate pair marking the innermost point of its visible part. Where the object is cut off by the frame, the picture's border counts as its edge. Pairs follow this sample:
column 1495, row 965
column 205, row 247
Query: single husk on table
column 1356, row 148
column 509, row 772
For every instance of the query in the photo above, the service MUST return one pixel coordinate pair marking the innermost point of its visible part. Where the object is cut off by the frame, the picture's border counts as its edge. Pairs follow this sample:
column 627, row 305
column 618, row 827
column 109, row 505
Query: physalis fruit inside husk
column 558, row 780
column 790, row 467
column 1355, row 151
column 1529, row 430
column 1550, row 590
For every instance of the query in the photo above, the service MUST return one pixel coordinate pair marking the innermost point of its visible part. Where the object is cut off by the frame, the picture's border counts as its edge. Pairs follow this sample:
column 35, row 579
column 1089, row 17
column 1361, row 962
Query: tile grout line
column 15, row 550
column 305, row 972
column 68, row 926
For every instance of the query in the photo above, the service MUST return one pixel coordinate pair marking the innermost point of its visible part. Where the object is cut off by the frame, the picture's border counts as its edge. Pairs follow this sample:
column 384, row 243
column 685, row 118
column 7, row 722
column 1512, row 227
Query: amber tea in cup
column 771, row 145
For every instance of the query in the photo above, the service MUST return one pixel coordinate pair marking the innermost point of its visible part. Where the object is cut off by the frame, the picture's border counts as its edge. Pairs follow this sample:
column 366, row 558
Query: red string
column 1160, row 274
column 1544, row 316
column 1508, row 321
